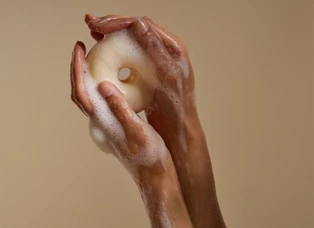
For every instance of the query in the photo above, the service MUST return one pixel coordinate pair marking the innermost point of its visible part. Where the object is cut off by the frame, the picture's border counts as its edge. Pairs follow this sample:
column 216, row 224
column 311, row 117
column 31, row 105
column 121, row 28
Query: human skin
column 176, row 120
column 156, row 181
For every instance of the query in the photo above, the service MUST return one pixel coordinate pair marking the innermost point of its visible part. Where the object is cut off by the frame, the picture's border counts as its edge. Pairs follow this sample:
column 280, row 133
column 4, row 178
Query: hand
column 137, row 145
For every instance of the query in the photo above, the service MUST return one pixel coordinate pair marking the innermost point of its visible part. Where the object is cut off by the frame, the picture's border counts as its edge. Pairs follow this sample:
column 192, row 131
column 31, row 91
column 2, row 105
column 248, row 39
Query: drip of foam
column 164, row 217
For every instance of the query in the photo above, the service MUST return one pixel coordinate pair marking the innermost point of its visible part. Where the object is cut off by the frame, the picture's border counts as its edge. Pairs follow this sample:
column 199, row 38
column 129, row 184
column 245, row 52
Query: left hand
column 136, row 144
column 138, row 147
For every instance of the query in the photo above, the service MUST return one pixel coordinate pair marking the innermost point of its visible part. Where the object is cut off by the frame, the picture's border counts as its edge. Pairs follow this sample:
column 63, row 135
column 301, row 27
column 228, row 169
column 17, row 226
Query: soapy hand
column 137, row 145
column 174, row 100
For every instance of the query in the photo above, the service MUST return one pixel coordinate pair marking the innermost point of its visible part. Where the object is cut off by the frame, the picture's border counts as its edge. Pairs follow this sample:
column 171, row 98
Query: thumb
column 118, row 104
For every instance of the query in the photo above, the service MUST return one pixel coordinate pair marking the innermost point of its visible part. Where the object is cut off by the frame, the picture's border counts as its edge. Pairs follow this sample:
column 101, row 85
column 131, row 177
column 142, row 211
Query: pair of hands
column 174, row 100
column 179, row 177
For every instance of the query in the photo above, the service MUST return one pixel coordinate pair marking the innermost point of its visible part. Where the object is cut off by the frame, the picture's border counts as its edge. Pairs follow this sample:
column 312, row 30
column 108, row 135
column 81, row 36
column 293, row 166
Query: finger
column 102, row 25
column 109, row 25
column 108, row 18
column 73, row 85
column 119, row 105
column 151, row 42
column 149, row 39
column 97, row 36
column 90, row 17
column 172, row 44
column 78, row 91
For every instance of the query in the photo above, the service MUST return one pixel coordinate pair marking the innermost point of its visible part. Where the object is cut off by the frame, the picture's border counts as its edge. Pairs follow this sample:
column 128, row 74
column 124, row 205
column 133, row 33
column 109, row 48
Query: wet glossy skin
column 173, row 114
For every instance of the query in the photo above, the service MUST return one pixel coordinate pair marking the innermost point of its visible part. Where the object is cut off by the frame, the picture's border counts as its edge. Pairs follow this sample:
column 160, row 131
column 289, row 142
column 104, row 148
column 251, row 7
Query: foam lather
column 104, row 61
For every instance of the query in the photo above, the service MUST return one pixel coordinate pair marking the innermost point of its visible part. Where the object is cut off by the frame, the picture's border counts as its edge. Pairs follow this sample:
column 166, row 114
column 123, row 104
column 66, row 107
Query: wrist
column 193, row 128
column 162, row 172
column 189, row 137
column 189, row 149
column 158, row 181
column 164, row 201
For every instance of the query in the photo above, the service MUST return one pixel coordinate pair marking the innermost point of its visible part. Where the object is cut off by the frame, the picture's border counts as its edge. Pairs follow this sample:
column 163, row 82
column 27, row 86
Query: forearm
column 164, row 202
column 195, row 174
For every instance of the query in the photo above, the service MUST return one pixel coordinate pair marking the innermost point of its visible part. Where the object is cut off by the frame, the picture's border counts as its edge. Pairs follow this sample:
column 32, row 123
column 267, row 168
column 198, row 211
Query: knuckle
column 108, row 17
column 174, row 50
column 162, row 69
column 175, row 70
column 112, row 103
column 154, row 42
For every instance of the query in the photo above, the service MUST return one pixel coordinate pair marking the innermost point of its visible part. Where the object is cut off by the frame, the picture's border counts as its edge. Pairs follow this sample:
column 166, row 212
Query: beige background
column 254, row 73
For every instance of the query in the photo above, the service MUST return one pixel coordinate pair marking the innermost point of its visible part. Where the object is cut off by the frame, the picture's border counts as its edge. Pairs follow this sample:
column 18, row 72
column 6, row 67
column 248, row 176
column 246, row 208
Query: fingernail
column 106, row 89
column 140, row 26
column 77, row 43
column 90, row 16
column 80, row 43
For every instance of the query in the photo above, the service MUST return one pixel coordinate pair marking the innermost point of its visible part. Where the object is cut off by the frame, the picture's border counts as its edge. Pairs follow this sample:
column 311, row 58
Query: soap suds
column 109, row 135
column 164, row 217
column 120, row 50
column 184, row 66
column 156, row 211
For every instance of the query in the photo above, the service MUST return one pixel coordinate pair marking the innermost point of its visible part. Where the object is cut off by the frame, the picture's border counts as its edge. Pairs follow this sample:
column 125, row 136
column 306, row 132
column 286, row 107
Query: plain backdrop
column 253, row 63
